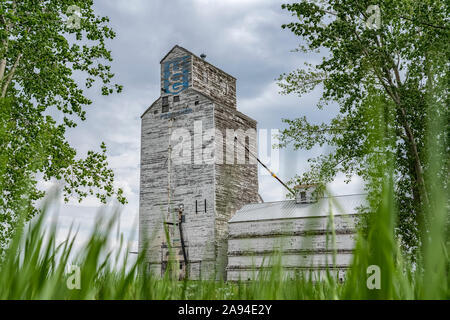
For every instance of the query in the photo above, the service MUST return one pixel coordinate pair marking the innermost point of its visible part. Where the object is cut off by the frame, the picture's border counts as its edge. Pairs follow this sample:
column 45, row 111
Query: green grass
column 34, row 267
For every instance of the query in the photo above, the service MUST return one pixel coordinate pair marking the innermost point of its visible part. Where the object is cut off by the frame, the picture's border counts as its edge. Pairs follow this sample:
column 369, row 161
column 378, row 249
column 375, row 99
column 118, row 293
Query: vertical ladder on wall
column 174, row 252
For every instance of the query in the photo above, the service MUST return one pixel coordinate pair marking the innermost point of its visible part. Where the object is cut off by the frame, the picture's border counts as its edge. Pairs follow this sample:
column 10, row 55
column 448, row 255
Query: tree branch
column 10, row 75
column 3, row 66
column 5, row 45
column 425, row 24
column 393, row 92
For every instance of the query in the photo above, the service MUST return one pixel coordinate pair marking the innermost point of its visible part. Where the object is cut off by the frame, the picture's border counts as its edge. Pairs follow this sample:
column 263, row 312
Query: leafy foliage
column 399, row 66
column 43, row 51
column 35, row 266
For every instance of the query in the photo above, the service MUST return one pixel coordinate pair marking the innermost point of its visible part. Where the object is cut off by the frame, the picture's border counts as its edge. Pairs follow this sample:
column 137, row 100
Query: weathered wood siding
column 266, row 244
column 288, row 273
column 215, row 83
column 189, row 182
column 236, row 183
column 211, row 192
column 298, row 244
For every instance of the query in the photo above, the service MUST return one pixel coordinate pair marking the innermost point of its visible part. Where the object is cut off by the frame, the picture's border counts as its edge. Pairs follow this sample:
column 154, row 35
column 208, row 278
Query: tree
column 386, row 63
column 45, row 46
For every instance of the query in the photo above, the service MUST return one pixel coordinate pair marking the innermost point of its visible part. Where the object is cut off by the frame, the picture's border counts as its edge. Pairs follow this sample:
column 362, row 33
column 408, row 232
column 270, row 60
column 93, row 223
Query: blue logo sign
column 176, row 75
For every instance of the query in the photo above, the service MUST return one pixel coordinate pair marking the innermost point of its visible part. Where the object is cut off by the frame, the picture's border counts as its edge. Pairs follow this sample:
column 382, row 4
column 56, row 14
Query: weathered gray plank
column 314, row 275
column 286, row 243
column 291, row 260
column 264, row 228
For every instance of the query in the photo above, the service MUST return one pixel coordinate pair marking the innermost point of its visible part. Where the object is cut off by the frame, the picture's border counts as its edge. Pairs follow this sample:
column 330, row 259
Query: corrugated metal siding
column 289, row 209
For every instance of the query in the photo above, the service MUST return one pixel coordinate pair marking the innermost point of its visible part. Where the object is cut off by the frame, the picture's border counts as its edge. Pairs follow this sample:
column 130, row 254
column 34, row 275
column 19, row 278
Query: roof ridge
column 193, row 54
column 289, row 209
column 328, row 197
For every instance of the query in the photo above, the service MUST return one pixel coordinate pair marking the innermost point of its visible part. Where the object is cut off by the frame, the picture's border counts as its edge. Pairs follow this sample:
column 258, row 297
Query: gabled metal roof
column 289, row 209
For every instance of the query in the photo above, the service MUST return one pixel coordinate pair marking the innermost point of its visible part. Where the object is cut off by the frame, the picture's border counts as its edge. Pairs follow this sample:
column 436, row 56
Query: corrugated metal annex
column 288, row 209
column 299, row 232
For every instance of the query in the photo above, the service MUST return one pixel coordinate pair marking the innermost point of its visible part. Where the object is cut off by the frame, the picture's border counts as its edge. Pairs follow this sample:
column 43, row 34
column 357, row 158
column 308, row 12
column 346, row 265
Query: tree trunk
column 11, row 75
column 418, row 168
column 2, row 69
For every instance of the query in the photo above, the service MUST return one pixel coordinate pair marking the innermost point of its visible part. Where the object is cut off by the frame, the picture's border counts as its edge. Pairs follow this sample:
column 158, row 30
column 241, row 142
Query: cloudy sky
column 242, row 37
